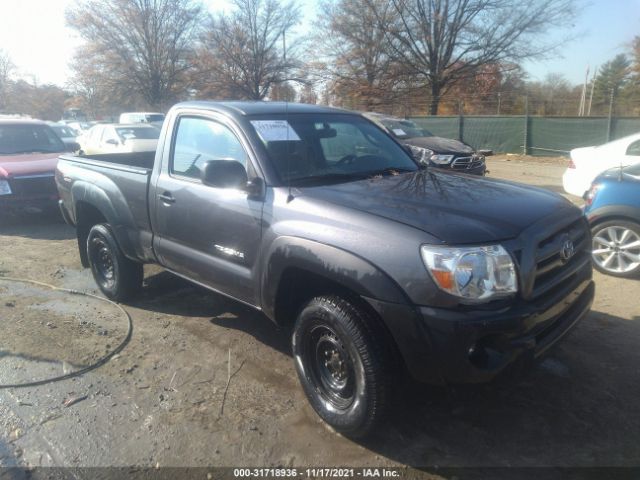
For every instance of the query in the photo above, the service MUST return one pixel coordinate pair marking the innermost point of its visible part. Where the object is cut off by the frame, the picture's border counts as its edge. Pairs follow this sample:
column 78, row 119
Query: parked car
column 67, row 134
column 79, row 126
column 118, row 138
column 587, row 163
column 321, row 221
column 439, row 152
column 613, row 210
column 154, row 118
column 29, row 152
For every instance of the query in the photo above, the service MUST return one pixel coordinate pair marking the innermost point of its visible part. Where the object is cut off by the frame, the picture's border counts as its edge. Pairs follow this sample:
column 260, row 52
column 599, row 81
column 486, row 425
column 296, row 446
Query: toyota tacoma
column 322, row 221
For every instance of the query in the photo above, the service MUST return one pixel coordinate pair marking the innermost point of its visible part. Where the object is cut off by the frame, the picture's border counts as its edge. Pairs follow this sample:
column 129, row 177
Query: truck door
column 208, row 234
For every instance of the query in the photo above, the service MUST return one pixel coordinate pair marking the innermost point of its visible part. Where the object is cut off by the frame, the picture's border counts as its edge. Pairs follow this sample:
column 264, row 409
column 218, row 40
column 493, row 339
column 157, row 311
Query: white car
column 588, row 162
column 118, row 138
column 142, row 117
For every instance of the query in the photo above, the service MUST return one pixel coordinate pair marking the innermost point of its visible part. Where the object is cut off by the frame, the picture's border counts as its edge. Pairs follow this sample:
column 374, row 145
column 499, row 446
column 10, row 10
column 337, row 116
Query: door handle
column 166, row 197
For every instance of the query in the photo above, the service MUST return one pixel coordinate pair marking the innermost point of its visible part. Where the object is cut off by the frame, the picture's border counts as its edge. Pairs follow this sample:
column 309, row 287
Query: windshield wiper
column 389, row 171
column 329, row 178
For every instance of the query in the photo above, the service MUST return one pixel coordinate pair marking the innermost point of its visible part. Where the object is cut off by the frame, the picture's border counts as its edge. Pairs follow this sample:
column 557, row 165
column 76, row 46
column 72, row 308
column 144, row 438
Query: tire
column 616, row 248
column 344, row 364
column 117, row 277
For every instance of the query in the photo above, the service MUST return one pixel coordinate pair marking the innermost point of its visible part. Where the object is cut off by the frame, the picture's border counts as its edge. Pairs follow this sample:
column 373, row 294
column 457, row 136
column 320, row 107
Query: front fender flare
column 334, row 264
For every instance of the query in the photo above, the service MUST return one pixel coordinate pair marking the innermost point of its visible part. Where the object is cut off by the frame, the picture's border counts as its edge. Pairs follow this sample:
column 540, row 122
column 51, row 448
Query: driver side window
column 199, row 140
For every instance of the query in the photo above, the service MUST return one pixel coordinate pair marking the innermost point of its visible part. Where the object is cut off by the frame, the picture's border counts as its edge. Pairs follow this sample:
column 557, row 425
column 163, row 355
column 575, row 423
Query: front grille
column 466, row 163
column 552, row 269
column 33, row 186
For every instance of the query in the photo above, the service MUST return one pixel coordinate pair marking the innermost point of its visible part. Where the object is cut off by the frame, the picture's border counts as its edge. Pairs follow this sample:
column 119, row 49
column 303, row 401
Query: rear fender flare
column 113, row 208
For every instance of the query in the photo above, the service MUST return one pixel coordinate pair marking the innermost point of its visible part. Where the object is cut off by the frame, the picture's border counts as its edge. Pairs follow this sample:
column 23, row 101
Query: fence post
column 610, row 119
column 525, row 145
column 460, row 122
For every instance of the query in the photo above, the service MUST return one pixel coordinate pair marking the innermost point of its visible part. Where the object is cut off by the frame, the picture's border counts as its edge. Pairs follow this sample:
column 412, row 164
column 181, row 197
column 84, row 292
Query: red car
column 29, row 152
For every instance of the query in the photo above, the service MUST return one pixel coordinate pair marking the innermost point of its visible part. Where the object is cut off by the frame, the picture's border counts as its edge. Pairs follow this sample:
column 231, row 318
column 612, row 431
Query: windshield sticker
column 399, row 132
column 274, row 130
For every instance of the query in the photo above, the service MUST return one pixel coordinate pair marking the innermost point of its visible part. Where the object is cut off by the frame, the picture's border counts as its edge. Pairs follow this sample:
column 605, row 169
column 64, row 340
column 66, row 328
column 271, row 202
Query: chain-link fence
column 534, row 135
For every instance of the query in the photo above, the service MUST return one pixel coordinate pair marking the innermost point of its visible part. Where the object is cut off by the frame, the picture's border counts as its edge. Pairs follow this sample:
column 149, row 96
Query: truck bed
column 124, row 179
column 143, row 160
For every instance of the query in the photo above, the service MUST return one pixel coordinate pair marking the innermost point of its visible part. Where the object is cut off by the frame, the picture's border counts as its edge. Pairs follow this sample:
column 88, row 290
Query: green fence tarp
column 545, row 135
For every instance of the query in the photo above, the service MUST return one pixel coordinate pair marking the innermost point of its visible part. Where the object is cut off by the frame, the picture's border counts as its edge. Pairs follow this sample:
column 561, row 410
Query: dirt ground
column 163, row 400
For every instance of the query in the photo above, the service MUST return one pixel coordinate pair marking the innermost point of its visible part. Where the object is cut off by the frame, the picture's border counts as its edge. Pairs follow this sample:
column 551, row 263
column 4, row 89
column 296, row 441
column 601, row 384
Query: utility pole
column 593, row 82
column 583, row 97
column 525, row 146
column 499, row 100
column 610, row 119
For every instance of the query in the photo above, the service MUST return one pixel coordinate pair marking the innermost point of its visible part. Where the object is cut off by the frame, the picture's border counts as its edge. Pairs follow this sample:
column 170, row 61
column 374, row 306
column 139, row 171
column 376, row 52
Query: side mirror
column 485, row 153
column 112, row 141
column 224, row 174
column 73, row 147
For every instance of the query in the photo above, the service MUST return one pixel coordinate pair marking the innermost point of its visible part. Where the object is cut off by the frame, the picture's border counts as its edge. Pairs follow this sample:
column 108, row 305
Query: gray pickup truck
column 319, row 219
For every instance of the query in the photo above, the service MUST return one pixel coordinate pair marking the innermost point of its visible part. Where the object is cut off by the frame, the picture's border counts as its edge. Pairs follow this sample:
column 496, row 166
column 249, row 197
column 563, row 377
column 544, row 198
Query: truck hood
column 455, row 208
column 28, row 164
column 440, row 145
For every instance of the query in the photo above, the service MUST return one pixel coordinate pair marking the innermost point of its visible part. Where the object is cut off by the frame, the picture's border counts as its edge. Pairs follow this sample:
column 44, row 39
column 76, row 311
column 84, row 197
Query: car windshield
column 29, row 138
column 154, row 118
column 405, row 129
column 64, row 131
column 331, row 148
column 138, row 133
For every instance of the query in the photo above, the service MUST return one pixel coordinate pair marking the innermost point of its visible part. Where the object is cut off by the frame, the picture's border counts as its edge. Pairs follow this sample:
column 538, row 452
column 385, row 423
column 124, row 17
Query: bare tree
column 242, row 53
column 445, row 41
column 143, row 45
column 356, row 60
column 6, row 68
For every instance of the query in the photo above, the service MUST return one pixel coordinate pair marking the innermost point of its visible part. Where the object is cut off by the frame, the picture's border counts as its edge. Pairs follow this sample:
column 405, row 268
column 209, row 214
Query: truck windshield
column 329, row 148
column 29, row 138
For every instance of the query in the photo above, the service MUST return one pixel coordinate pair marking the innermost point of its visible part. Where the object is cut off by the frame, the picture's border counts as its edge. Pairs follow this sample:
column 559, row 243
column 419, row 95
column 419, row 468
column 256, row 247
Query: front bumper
column 474, row 346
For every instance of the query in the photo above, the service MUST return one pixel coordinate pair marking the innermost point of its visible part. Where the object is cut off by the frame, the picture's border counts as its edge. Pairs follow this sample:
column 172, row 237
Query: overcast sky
column 33, row 32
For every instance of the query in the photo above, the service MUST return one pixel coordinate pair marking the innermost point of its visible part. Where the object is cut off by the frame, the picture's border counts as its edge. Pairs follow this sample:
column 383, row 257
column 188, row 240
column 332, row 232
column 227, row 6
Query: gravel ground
column 163, row 400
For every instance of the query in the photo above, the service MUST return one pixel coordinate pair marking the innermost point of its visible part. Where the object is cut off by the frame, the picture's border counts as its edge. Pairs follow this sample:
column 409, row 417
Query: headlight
column 5, row 189
column 421, row 155
column 441, row 159
column 475, row 274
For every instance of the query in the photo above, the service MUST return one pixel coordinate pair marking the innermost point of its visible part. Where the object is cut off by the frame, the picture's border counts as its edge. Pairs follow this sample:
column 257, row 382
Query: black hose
column 88, row 368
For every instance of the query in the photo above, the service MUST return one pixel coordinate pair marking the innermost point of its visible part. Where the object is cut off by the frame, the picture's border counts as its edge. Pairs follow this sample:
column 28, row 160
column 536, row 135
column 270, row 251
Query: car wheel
column 117, row 276
column 616, row 248
column 343, row 363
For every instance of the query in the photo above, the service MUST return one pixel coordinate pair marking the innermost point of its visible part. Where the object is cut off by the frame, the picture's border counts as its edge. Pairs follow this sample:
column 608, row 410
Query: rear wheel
column 117, row 276
column 616, row 248
column 343, row 363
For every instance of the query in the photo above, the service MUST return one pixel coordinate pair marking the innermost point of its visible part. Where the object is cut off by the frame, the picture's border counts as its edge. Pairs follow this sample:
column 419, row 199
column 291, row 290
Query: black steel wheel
column 344, row 364
column 117, row 276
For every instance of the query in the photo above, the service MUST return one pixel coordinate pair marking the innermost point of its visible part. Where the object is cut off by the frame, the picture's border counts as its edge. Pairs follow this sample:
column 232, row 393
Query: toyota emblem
column 568, row 250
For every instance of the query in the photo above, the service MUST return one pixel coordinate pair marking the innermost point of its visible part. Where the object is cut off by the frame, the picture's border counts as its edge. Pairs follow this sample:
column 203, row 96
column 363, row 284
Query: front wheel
column 343, row 363
column 616, row 248
column 117, row 276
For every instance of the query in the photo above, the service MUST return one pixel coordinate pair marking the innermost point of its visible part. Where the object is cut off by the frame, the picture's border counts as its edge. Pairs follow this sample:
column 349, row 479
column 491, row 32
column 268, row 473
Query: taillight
column 571, row 164
column 591, row 194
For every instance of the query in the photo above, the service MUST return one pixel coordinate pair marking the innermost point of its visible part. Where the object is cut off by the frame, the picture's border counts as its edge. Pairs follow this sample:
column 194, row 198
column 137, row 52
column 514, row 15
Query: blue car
column 613, row 210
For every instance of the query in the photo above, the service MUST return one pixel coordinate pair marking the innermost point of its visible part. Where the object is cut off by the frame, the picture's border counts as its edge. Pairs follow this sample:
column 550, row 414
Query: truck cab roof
column 246, row 108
